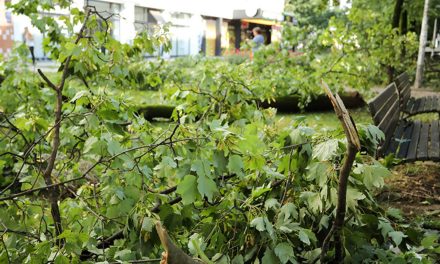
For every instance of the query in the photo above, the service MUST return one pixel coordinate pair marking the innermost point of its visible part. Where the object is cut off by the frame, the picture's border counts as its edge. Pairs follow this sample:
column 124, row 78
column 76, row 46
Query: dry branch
column 172, row 254
column 352, row 148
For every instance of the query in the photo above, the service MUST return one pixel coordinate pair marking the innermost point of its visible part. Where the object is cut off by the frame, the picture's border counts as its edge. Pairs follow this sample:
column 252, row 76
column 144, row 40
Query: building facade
column 208, row 27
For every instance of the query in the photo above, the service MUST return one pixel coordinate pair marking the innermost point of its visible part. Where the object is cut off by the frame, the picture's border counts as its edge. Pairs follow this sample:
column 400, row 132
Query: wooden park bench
column 413, row 106
column 407, row 140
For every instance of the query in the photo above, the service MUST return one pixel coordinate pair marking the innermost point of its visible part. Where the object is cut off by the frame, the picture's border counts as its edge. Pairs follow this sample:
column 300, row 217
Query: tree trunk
column 395, row 24
column 404, row 23
column 397, row 13
column 422, row 45
column 434, row 35
column 404, row 30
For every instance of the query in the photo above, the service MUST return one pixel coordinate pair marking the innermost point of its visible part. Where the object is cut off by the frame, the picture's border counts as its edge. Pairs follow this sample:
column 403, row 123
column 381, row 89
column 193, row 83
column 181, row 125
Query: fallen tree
column 285, row 104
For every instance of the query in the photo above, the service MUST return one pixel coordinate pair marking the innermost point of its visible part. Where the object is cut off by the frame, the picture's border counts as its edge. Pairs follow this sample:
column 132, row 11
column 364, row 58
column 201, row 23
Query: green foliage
column 228, row 180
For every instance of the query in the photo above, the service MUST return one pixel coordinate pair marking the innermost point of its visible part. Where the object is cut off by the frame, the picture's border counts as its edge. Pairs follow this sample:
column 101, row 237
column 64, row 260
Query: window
column 180, row 34
column 147, row 19
column 107, row 9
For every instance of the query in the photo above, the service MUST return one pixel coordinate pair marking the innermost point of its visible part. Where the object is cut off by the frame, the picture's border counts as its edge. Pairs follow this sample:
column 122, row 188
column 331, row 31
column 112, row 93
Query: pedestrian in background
column 28, row 39
column 258, row 38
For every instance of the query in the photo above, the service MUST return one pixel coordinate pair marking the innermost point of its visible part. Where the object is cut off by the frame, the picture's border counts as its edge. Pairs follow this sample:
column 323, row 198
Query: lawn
column 327, row 121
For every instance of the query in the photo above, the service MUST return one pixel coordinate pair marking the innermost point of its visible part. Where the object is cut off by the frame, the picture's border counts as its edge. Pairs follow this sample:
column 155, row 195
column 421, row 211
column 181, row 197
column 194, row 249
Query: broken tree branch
column 352, row 148
column 172, row 254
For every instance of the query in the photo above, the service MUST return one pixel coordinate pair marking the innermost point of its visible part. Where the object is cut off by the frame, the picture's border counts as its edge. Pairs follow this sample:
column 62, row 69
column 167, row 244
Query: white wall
column 198, row 8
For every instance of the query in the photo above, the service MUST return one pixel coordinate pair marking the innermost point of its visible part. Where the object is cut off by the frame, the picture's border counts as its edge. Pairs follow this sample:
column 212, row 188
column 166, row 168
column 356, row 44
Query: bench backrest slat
column 404, row 87
column 385, row 109
column 383, row 103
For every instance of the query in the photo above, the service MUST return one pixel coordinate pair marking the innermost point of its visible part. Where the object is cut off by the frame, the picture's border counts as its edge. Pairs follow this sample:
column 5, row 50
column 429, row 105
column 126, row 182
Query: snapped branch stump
column 172, row 254
column 352, row 148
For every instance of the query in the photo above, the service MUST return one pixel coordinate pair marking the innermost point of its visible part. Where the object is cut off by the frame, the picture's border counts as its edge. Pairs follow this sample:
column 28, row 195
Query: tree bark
column 398, row 7
column 172, row 254
column 422, row 45
column 404, row 22
column 404, row 30
column 47, row 175
column 395, row 24
column 352, row 148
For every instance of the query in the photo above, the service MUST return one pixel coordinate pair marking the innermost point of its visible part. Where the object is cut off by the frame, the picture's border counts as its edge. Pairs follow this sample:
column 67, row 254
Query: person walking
column 28, row 39
column 258, row 39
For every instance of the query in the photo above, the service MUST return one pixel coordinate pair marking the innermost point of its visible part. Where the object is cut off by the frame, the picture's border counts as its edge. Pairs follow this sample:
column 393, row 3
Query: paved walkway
column 414, row 92
column 45, row 66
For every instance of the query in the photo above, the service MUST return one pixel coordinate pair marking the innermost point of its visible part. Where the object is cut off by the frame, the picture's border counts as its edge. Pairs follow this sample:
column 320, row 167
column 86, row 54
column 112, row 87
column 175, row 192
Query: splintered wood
column 344, row 116
column 172, row 254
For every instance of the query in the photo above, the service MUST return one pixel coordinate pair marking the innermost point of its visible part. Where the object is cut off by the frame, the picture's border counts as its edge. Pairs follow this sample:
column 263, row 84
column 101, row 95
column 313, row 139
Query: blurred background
column 208, row 27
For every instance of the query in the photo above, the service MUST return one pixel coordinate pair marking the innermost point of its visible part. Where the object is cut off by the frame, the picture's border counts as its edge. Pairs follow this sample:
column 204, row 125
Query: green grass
column 426, row 117
column 327, row 121
column 143, row 98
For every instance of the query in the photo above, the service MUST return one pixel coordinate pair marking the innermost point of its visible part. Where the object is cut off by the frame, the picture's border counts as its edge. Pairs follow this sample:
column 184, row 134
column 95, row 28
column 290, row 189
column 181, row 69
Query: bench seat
column 429, row 104
column 415, row 140
column 407, row 140
column 413, row 106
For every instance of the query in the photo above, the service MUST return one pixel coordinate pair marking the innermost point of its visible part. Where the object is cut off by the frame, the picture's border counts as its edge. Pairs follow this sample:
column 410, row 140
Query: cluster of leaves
column 229, row 181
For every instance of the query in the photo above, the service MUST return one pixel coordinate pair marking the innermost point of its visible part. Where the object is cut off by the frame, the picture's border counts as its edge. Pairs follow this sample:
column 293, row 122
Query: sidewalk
column 45, row 66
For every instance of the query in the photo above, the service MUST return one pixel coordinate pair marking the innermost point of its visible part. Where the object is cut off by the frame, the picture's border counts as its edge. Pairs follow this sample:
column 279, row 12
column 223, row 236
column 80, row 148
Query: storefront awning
column 261, row 21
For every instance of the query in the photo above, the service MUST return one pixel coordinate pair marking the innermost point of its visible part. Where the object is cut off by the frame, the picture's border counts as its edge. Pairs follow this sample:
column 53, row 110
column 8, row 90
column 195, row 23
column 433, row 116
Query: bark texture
column 172, row 254
column 422, row 45
column 352, row 148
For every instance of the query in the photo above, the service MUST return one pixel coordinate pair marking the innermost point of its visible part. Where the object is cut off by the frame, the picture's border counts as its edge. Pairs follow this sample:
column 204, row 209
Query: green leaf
column 125, row 254
column 304, row 237
column 271, row 203
column 269, row 228
column 395, row 213
column 238, row 260
column 235, row 164
column 197, row 245
column 326, row 150
column 397, row 237
column 61, row 259
column 219, row 162
column 353, row 196
column 284, row 252
column 288, row 210
column 259, row 191
column 385, row 227
column 89, row 144
column 429, row 241
column 258, row 223
column 319, row 171
column 313, row 200
column 372, row 175
column 114, row 147
column 79, row 95
column 201, row 167
column 206, row 187
column 269, row 257
column 188, row 189
column 147, row 224
column 168, row 162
